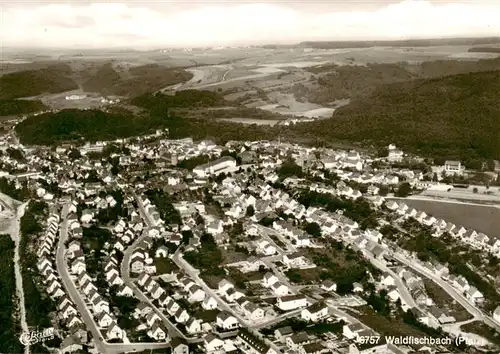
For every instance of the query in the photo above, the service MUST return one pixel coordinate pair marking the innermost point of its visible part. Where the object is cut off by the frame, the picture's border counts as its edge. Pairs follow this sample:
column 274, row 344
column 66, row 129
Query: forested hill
column 456, row 116
column 35, row 82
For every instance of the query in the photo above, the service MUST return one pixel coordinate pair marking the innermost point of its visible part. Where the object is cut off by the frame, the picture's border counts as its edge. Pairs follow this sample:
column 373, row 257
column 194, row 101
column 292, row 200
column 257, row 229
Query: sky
column 156, row 24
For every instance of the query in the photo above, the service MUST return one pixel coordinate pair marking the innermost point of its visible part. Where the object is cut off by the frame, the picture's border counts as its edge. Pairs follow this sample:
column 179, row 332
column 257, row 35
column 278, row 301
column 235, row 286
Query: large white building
column 214, row 166
column 453, row 168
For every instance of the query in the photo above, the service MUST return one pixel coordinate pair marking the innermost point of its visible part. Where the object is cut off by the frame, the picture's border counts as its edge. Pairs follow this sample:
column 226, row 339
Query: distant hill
column 35, row 82
column 355, row 82
column 103, row 81
column 457, row 116
column 399, row 43
column 16, row 107
column 136, row 81
column 484, row 50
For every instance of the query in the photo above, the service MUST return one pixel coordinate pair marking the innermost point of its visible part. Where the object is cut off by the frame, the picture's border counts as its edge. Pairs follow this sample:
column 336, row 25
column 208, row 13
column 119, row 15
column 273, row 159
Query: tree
column 403, row 190
column 313, row 229
column 186, row 236
column 474, row 190
column 250, row 211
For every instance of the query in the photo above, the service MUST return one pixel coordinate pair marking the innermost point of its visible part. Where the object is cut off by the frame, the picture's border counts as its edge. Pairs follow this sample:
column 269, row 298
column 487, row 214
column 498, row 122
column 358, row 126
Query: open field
column 254, row 76
column 481, row 218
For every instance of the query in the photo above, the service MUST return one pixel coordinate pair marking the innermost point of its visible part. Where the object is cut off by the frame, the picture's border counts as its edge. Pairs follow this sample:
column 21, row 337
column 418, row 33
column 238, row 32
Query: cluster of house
column 477, row 240
column 67, row 312
column 97, row 303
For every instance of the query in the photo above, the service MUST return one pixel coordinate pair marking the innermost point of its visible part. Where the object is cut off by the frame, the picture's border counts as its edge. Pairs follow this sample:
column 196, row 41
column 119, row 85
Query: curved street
column 102, row 346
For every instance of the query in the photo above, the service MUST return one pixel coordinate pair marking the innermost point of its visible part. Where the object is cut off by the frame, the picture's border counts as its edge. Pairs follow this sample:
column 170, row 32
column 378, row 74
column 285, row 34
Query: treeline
column 35, row 82
column 136, row 81
column 16, row 107
column 160, row 103
column 38, row 304
column 455, row 117
column 87, row 125
column 9, row 335
column 358, row 210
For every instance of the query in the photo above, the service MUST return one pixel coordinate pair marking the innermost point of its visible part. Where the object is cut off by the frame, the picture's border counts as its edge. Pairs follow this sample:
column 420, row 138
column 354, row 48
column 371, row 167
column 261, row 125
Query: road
column 15, row 234
column 125, row 272
column 102, row 346
column 471, row 308
column 406, row 297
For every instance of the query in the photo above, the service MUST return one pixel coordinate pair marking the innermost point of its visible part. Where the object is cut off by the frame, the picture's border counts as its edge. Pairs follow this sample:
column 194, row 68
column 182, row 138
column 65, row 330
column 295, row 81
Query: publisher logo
column 36, row 336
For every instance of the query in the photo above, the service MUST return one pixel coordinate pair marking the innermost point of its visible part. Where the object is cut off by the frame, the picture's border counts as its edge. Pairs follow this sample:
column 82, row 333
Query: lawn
column 206, row 315
column 445, row 302
column 165, row 265
column 385, row 326
column 483, row 330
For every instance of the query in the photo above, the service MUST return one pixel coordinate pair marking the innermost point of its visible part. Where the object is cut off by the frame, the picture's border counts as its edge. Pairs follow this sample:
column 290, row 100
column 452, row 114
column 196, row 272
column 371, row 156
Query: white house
column 291, row 302
column 209, row 303
column 314, row 313
column 226, row 321
column 269, row 279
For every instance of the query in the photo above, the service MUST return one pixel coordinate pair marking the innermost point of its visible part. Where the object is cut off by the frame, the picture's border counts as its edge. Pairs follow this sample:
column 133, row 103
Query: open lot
column 485, row 219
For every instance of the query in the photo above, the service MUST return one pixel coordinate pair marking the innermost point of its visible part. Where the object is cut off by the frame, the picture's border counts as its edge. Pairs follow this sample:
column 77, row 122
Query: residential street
column 125, row 272
column 101, row 345
column 15, row 234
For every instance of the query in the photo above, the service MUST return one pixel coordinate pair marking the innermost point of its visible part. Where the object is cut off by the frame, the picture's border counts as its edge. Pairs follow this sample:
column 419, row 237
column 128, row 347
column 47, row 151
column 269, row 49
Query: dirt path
column 16, row 237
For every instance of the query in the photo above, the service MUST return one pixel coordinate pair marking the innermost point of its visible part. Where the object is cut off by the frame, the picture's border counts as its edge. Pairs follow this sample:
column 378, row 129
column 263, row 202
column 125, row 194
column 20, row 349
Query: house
column 350, row 331
column 209, row 303
column 474, row 295
column 70, row 344
column 114, row 332
column 193, row 325
column 179, row 346
column 314, row 313
column 441, row 316
column 78, row 266
column 224, row 286
column 252, row 344
column 291, row 302
column 162, row 252
column 269, row 279
column 137, row 264
column 294, row 342
column 212, row 343
column 68, row 310
column 226, row 321
column 152, row 317
column 282, row 333
column 216, row 227
column 453, row 168
column 252, row 311
column 158, row 331
column 387, row 280
column 181, row 315
column 104, row 320
column 279, row 289
column 124, row 290
column 196, row 293
column 313, row 348
column 329, row 286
